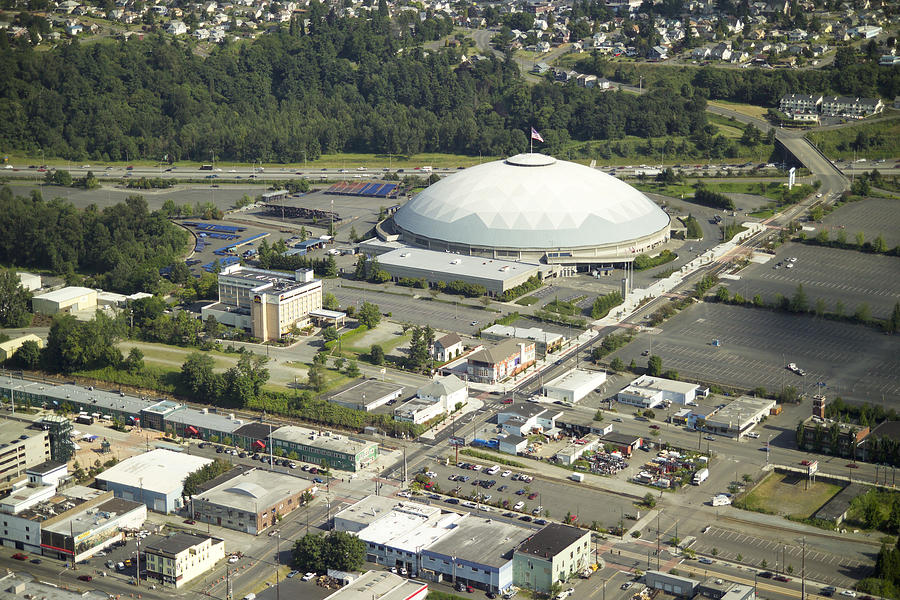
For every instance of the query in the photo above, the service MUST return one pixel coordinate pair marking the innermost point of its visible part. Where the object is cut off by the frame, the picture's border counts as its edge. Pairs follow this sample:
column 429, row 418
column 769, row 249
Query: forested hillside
column 339, row 85
column 124, row 245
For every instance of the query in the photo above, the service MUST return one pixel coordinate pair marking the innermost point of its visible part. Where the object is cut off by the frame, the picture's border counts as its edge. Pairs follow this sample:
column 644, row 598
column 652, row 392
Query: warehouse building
column 154, row 478
column 251, row 501
column 650, row 392
column 545, row 342
column 177, row 559
column 29, row 281
column 555, row 553
column 68, row 299
column 26, row 585
column 506, row 359
column 265, row 303
column 10, row 347
column 382, row 585
column 324, row 448
column 494, row 274
column 367, row 395
column 574, row 385
column 739, row 417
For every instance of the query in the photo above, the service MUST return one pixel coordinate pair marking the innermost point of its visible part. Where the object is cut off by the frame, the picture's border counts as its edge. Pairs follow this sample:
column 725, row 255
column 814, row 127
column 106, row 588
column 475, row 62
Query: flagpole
column 531, row 150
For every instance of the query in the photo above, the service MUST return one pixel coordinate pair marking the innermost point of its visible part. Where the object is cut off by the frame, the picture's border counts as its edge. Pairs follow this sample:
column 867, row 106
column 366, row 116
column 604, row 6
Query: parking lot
column 872, row 216
column 553, row 497
column 854, row 362
column 839, row 570
column 829, row 274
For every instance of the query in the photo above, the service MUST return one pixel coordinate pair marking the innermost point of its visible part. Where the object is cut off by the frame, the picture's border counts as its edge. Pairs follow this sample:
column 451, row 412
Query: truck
column 721, row 500
column 579, row 477
column 701, row 476
column 426, row 169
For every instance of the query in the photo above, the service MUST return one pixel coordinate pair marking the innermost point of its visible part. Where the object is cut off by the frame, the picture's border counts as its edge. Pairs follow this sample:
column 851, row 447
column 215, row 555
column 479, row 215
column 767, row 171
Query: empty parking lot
column 832, row 275
column 872, row 216
column 854, row 361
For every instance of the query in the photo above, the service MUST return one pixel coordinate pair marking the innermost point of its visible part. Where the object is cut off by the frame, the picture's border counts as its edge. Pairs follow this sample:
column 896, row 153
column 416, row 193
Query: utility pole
column 803, row 573
column 229, row 590
column 657, row 543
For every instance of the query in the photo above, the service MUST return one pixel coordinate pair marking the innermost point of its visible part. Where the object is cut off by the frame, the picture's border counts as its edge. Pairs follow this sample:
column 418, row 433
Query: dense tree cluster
column 123, row 246
column 235, row 387
column 340, row 84
column 337, row 550
column 14, row 301
column 74, row 345
column 713, row 199
column 205, row 473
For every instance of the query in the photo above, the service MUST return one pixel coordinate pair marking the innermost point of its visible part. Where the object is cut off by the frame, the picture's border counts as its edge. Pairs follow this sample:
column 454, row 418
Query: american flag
column 535, row 135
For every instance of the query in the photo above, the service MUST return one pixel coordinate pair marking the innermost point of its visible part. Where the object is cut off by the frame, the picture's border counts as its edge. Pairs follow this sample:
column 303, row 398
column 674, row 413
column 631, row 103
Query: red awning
column 259, row 444
column 192, row 430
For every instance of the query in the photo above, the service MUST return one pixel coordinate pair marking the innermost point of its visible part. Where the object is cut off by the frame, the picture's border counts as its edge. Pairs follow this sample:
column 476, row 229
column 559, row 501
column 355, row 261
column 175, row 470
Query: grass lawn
column 527, row 301
column 786, row 495
column 632, row 150
column 763, row 214
column 732, row 130
column 745, row 109
column 883, row 140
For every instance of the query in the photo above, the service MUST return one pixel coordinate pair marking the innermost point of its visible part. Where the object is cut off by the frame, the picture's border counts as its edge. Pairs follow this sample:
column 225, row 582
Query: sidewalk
column 472, row 405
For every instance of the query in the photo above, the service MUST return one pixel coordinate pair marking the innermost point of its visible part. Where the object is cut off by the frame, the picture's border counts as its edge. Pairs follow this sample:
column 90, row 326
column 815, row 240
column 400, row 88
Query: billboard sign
column 812, row 468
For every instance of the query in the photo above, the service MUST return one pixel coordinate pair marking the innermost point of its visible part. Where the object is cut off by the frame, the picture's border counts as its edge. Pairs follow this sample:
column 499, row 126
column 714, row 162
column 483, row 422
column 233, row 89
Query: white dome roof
column 531, row 201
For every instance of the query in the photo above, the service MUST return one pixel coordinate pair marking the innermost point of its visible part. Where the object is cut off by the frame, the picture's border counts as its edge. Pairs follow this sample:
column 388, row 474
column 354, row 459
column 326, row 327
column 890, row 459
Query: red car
column 853, row 466
column 654, row 427
column 190, row 521
column 507, row 401
column 85, row 578
column 781, row 578
column 532, row 495
column 20, row 556
column 805, row 463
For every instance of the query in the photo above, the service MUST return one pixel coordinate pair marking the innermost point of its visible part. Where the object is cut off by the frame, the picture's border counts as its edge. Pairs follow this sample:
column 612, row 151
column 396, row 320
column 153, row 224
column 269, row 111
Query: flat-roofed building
column 495, row 275
column 739, row 416
column 382, row 585
column 21, row 447
column 363, row 513
column 251, row 501
column 93, row 526
column 574, row 385
column 323, row 447
column 154, row 478
column 504, row 360
column 367, row 395
column 545, row 342
column 177, row 559
column 555, row 553
column 265, row 303
column 477, row 552
column 649, row 392
column 67, row 299
column 15, row 585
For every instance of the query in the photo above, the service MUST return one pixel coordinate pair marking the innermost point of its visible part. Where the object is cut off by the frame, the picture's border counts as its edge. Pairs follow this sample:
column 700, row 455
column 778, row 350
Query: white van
column 493, row 470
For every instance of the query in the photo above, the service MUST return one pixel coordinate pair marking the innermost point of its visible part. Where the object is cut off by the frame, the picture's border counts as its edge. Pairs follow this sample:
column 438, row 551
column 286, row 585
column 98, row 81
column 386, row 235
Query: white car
column 431, row 474
column 404, row 494
column 309, row 576
column 850, row 593
column 753, row 435
column 519, row 506
column 232, row 559
column 506, row 473
column 790, row 265
column 477, row 468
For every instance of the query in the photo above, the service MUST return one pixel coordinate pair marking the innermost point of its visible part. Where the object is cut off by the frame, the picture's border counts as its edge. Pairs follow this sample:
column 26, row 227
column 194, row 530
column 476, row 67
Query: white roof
column 382, row 585
column 161, row 471
column 492, row 269
column 650, row 383
column 410, row 526
column 443, row 386
column 531, row 201
column 65, row 294
column 577, row 378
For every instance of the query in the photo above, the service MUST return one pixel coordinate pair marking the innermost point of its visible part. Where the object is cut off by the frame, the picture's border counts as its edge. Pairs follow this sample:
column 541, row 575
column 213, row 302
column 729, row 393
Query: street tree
column 369, row 315
column 14, row 301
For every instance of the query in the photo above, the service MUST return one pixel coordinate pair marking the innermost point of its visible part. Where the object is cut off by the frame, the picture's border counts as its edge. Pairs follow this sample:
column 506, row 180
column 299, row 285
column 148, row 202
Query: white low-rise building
column 649, row 392
column 67, row 299
column 739, row 417
column 574, row 385
column 29, row 281
column 438, row 397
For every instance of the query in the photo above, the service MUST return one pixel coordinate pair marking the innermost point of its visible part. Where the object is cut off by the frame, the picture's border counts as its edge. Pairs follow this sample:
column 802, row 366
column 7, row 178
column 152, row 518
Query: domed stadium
column 534, row 207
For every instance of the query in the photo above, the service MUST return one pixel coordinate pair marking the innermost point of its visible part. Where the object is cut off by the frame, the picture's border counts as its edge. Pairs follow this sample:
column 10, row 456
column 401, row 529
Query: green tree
column 893, row 324
column 330, row 302
column 376, row 354
column 29, row 354
column 352, row 369
column 360, row 272
column 198, row 377
column 860, row 239
column 649, row 500
column 799, row 302
column 654, row 366
column 722, row 294
column 330, row 333
column 863, row 313
column 616, row 364
column 316, row 377
column 343, row 551
column 134, row 362
column 879, row 245
column 307, row 554
column 369, row 315
column 14, row 301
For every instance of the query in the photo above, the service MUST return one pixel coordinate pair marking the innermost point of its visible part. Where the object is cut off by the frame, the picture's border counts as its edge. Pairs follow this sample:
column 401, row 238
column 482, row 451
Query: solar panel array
column 224, row 262
column 214, row 227
column 225, row 250
column 370, row 189
column 223, row 236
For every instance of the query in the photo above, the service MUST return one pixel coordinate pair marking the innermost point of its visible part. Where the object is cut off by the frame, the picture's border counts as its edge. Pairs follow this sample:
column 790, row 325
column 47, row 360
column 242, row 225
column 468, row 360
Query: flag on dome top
column 535, row 135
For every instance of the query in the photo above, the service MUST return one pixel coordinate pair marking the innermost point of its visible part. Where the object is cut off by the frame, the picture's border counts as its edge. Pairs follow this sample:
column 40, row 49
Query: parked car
column 309, row 576
column 85, row 578
column 20, row 556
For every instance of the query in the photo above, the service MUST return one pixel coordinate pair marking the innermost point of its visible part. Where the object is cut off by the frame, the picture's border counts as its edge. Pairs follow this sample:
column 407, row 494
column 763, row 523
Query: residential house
column 176, row 28
column 505, row 360
column 845, row 106
column 658, row 53
column 447, row 348
column 797, row 35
